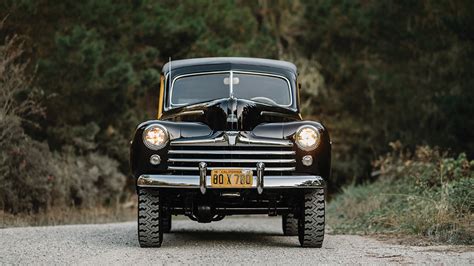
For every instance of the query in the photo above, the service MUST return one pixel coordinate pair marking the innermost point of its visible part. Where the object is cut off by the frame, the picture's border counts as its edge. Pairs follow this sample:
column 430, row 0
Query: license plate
column 231, row 178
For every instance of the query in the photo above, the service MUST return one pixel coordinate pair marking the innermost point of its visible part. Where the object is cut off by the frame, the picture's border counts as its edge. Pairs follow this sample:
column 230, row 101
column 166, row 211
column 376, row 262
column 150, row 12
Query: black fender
column 321, row 155
column 140, row 154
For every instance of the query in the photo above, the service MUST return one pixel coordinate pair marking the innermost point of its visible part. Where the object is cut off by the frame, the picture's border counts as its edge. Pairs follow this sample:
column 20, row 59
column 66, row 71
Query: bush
column 32, row 177
column 86, row 181
column 24, row 176
column 426, row 193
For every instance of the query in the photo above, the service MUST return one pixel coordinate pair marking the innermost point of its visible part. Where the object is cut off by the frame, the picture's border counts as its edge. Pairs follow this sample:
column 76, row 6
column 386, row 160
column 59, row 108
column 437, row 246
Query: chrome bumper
column 193, row 181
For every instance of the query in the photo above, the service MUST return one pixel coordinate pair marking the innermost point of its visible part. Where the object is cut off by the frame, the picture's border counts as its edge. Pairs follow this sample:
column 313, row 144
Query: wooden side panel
column 160, row 100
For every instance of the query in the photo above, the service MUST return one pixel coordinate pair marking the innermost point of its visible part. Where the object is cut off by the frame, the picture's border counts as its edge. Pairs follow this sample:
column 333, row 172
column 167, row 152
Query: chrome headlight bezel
column 153, row 146
column 305, row 147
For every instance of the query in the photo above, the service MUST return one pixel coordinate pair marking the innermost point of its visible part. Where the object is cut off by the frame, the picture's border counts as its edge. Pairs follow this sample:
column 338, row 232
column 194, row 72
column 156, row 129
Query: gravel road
column 256, row 240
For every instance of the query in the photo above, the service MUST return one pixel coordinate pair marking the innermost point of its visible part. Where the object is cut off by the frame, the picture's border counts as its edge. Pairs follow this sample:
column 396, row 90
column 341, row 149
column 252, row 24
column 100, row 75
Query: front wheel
column 150, row 232
column 311, row 223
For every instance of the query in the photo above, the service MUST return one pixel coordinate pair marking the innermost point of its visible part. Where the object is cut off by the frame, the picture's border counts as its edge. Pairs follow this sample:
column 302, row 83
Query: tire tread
column 312, row 222
column 149, row 219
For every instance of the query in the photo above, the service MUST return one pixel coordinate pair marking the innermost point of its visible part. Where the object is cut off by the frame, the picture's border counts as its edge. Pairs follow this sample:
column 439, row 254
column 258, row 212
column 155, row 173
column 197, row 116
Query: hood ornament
column 231, row 137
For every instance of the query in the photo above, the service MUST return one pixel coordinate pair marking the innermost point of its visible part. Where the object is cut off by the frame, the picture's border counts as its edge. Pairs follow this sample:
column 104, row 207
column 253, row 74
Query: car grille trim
column 279, row 156
column 233, row 152
column 192, row 168
column 213, row 160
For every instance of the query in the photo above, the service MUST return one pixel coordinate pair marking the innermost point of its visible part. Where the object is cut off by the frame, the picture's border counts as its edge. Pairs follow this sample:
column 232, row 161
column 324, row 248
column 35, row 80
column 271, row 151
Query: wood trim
column 160, row 100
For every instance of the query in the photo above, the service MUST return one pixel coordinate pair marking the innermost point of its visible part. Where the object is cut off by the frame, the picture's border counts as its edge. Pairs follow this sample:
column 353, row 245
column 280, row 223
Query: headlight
column 155, row 137
column 307, row 138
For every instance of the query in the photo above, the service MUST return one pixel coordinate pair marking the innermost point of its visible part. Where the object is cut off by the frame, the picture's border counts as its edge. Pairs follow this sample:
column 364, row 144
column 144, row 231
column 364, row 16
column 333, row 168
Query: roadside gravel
column 246, row 240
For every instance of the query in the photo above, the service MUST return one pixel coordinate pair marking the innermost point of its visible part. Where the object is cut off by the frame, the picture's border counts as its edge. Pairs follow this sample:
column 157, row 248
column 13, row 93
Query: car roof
column 230, row 60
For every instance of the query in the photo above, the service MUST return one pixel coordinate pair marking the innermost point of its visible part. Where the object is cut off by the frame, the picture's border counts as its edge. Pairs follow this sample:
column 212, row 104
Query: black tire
column 289, row 224
column 167, row 223
column 311, row 223
column 150, row 233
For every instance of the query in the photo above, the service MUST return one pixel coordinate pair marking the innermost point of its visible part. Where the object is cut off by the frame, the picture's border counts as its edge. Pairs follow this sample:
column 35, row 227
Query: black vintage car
column 229, row 139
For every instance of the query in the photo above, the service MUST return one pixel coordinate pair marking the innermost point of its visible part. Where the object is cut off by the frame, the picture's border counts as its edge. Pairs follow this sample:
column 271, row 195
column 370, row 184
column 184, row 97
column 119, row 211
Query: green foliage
column 99, row 62
column 372, row 71
column 394, row 70
column 426, row 193
column 98, row 65
column 32, row 178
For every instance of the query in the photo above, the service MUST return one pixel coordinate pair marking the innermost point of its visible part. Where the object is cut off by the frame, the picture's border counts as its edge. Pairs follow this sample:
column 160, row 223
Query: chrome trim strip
column 233, row 152
column 241, row 140
column 192, row 112
column 277, row 142
column 192, row 181
column 191, row 168
column 220, row 139
column 211, row 160
column 269, row 113
column 231, row 85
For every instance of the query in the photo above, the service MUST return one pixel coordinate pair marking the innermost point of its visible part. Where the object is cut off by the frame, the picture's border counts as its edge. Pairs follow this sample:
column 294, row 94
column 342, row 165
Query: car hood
column 230, row 114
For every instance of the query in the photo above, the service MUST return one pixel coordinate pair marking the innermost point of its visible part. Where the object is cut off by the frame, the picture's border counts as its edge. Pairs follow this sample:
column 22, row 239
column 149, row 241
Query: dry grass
column 61, row 216
column 427, row 194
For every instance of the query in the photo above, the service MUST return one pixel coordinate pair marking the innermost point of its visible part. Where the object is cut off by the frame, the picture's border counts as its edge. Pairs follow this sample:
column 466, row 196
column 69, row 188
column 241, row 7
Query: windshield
column 273, row 90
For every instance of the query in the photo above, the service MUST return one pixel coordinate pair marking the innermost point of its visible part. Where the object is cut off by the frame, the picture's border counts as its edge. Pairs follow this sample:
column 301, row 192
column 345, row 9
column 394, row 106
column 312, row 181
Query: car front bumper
column 194, row 182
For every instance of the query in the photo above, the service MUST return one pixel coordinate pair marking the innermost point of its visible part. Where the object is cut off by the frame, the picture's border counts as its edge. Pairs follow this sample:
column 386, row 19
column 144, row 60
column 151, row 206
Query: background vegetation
column 76, row 77
column 423, row 193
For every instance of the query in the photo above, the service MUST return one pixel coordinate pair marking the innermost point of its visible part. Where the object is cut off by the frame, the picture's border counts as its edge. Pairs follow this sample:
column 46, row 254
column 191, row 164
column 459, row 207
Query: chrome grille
column 184, row 159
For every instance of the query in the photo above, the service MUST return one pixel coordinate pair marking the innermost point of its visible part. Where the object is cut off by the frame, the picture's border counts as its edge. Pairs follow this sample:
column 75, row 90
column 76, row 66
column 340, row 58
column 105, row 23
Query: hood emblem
column 231, row 137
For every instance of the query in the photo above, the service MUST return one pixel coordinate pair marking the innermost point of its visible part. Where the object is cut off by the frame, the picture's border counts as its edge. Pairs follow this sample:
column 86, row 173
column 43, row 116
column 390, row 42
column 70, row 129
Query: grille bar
column 190, row 168
column 212, row 160
column 233, row 152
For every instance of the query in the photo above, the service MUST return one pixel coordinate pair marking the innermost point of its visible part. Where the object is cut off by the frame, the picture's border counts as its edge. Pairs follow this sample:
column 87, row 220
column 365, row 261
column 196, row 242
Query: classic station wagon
column 229, row 139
